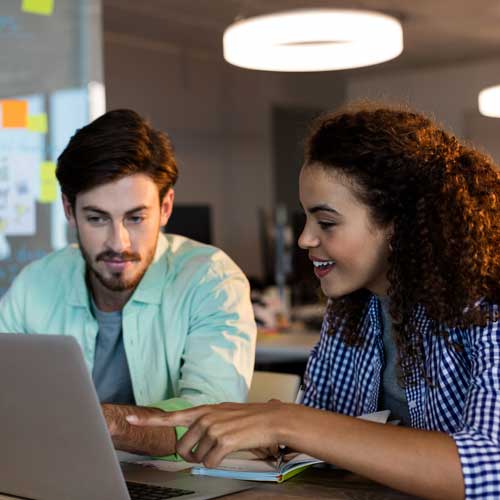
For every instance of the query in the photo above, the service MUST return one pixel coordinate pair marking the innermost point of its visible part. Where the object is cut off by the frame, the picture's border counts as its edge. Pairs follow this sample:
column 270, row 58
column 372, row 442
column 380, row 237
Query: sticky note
column 48, row 182
column 40, row 7
column 48, row 171
column 38, row 123
column 21, row 210
column 14, row 113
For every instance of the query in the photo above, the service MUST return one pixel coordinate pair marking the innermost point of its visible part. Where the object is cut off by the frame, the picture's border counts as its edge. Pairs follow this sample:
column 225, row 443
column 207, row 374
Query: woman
column 402, row 228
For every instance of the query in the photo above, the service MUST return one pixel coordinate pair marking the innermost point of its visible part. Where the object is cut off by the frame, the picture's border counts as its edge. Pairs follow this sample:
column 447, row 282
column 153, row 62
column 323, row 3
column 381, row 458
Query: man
column 162, row 320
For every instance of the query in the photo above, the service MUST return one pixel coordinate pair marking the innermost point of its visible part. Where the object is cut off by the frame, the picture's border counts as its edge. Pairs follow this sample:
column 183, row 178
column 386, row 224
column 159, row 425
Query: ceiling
column 436, row 32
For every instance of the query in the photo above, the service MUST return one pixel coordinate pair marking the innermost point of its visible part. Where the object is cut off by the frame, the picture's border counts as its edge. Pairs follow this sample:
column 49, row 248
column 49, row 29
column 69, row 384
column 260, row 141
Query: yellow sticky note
column 48, row 171
column 40, row 7
column 38, row 123
column 14, row 113
column 21, row 210
column 48, row 182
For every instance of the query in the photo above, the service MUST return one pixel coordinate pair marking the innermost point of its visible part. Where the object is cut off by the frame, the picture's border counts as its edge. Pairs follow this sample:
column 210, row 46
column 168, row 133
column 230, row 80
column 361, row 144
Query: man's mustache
column 121, row 256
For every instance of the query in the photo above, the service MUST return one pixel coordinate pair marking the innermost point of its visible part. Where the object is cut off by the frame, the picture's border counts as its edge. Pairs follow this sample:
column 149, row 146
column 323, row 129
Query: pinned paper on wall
column 38, row 123
column 17, row 194
column 5, row 250
column 4, row 188
column 40, row 7
column 14, row 113
column 48, row 182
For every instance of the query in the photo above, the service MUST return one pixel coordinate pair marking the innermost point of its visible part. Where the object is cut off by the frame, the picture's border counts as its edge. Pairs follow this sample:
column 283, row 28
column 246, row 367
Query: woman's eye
column 326, row 225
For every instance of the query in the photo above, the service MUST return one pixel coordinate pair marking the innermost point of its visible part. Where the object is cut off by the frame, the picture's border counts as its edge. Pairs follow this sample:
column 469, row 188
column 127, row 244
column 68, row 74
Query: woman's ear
column 390, row 235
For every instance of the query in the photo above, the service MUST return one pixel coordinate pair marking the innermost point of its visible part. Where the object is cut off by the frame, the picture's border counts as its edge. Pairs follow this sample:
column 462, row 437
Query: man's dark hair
column 117, row 144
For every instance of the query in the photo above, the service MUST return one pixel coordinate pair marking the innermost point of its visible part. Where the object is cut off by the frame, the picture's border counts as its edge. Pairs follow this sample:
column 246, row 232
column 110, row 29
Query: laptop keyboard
column 139, row 491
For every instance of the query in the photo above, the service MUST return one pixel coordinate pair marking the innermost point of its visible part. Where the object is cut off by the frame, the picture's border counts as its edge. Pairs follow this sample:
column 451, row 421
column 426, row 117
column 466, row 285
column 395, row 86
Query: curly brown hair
column 443, row 199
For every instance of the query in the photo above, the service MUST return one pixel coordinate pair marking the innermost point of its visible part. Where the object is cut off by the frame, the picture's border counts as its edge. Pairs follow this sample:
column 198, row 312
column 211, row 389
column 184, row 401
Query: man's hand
column 154, row 441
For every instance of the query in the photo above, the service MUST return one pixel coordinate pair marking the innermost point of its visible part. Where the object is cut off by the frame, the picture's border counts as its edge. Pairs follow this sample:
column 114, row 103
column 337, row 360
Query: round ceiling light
column 313, row 40
column 489, row 101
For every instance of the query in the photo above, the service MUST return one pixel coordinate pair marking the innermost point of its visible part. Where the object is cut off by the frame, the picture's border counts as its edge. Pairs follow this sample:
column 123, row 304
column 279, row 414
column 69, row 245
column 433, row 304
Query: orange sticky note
column 40, row 7
column 14, row 113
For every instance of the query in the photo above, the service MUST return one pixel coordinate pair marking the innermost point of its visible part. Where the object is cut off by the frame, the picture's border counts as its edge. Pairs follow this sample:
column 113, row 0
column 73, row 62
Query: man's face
column 117, row 226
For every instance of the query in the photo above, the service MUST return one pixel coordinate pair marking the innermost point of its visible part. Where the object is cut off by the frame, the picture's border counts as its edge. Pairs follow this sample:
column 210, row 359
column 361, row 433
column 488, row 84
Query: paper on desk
column 247, row 461
column 379, row 416
column 237, row 460
column 257, row 469
column 148, row 462
column 167, row 466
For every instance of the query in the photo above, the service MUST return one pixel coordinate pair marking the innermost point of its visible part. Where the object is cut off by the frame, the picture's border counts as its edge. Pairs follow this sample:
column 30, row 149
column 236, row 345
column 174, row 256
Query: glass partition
column 51, row 83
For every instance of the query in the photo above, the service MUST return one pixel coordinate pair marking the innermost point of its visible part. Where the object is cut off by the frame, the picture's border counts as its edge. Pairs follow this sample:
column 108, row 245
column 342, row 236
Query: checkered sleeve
column 478, row 441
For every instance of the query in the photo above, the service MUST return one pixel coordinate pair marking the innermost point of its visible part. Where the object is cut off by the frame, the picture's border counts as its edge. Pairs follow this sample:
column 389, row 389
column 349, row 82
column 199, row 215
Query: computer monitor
column 192, row 221
column 305, row 286
column 299, row 272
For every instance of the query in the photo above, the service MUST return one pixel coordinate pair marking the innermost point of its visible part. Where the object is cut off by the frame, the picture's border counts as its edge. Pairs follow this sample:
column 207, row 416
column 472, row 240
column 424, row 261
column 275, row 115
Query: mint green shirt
column 188, row 329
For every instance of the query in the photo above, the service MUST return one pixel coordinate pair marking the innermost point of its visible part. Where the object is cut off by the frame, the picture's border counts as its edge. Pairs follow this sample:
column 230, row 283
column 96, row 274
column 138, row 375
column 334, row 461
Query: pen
column 282, row 448
column 300, row 395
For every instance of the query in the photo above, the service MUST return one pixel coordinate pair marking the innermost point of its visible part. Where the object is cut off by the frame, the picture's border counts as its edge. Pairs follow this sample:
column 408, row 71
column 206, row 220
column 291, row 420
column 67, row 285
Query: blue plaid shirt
column 463, row 401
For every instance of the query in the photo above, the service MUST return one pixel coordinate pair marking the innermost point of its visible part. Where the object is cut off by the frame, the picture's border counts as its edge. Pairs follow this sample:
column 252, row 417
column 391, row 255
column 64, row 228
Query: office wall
column 448, row 92
column 220, row 120
column 220, row 117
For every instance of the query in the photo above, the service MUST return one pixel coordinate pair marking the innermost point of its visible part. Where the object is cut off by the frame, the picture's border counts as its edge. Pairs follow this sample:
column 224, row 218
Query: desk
column 292, row 345
column 319, row 484
column 315, row 483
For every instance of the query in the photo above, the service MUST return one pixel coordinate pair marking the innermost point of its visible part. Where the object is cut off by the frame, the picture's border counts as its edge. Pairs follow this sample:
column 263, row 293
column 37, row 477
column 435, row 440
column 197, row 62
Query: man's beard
column 116, row 282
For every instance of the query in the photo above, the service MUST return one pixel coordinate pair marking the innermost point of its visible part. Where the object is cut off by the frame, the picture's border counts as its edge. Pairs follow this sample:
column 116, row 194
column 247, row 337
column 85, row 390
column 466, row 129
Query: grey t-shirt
column 392, row 395
column 111, row 374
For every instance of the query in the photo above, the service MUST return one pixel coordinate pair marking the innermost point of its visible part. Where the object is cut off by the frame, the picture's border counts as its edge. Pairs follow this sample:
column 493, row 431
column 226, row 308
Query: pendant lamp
column 313, row 40
column 489, row 101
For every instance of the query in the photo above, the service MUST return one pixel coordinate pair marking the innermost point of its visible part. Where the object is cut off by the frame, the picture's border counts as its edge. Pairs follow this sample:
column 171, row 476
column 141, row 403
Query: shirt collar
column 79, row 294
column 374, row 307
column 150, row 288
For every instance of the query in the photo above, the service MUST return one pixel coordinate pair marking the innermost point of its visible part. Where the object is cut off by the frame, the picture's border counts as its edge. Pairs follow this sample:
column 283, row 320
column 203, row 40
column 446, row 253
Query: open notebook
column 245, row 465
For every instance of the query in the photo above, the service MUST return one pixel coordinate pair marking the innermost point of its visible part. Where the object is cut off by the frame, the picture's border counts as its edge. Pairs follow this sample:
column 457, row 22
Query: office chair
column 269, row 385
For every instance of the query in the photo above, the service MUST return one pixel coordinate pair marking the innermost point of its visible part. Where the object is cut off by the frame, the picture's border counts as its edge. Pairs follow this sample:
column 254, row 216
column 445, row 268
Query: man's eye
column 96, row 219
column 136, row 219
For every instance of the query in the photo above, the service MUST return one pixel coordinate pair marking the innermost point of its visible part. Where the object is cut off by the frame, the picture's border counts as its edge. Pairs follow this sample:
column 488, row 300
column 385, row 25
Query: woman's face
column 348, row 251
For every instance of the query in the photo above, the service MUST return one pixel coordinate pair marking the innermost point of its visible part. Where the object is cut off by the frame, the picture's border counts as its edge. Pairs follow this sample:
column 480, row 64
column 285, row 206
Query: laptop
column 54, row 440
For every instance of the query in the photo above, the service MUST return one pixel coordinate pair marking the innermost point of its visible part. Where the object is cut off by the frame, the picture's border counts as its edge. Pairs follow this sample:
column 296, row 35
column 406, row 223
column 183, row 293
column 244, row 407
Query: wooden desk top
column 321, row 483
column 314, row 483
column 295, row 344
